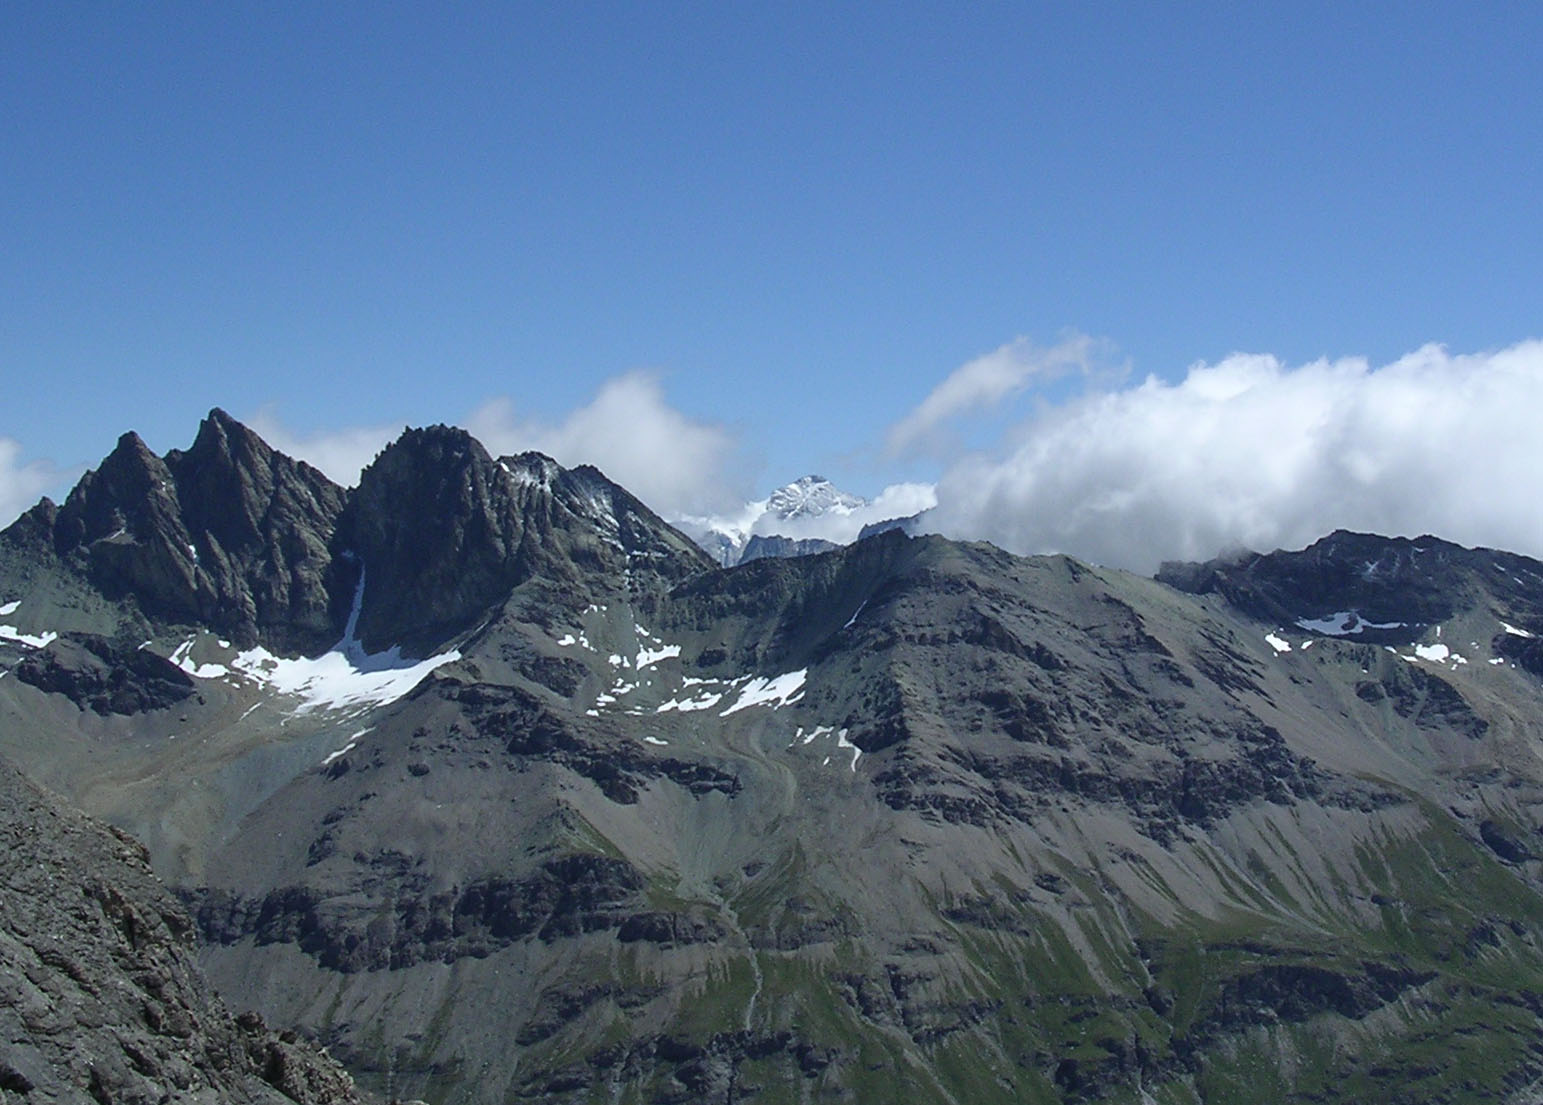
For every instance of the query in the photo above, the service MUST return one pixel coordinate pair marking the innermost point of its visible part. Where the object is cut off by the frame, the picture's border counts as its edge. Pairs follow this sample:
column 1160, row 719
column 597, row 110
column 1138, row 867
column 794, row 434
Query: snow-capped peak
column 812, row 497
column 810, row 509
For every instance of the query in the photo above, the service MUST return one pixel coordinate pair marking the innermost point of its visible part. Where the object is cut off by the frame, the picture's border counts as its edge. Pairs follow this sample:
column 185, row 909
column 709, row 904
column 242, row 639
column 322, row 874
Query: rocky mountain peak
column 435, row 526
column 228, row 534
column 128, row 494
column 811, row 496
column 443, row 532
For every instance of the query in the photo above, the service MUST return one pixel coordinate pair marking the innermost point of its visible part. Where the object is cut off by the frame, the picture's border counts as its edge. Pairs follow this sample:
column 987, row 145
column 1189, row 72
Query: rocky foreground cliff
column 488, row 779
column 101, row 994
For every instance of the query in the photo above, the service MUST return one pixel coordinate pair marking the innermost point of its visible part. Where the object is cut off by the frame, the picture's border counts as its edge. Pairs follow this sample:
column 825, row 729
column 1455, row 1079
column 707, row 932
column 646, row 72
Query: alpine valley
column 496, row 785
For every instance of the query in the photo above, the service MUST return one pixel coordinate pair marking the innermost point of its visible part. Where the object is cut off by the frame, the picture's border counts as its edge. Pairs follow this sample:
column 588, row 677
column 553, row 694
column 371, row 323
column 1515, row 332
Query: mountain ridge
column 910, row 816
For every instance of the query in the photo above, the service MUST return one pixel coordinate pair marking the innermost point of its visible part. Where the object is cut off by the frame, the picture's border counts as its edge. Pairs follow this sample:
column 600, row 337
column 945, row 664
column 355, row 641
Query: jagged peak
column 130, row 473
column 219, row 431
column 532, row 469
column 130, row 449
column 431, row 446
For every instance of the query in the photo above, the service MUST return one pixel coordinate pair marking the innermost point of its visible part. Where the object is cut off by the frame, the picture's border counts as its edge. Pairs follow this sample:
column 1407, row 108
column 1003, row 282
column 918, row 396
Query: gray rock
column 101, row 995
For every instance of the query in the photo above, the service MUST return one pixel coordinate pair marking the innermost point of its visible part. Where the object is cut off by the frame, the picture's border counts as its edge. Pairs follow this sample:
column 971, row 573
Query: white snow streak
column 774, row 691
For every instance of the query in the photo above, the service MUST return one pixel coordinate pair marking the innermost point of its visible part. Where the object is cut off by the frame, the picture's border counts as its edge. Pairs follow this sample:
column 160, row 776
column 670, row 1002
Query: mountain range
column 497, row 785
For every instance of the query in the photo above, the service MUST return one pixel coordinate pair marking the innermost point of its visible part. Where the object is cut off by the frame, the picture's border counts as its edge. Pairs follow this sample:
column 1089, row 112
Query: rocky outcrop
column 101, row 997
column 260, row 524
column 564, row 897
column 234, row 537
column 105, row 677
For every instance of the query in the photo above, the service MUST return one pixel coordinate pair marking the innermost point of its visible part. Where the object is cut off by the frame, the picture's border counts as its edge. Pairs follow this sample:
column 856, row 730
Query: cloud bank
column 674, row 463
column 1251, row 452
column 22, row 484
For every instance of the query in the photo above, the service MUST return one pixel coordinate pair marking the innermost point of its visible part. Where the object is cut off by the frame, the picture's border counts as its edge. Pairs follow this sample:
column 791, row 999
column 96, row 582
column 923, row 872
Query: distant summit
column 809, row 515
column 811, row 497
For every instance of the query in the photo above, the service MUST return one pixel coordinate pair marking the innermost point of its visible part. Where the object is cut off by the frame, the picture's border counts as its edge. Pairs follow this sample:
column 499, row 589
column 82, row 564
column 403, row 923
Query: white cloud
column 21, row 485
column 1251, row 452
column 341, row 454
column 674, row 463
column 987, row 381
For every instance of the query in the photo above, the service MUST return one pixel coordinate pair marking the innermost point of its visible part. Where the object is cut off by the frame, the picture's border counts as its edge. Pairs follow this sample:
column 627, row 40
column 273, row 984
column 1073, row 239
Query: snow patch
column 1439, row 654
column 704, row 700
column 31, row 640
column 1279, row 644
column 801, row 738
column 654, row 740
column 346, row 676
column 648, row 657
column 184, row 661
column 342, row 677
column 773, row 691
column 14, row 634
column 1343, row 623
column 1507, row 626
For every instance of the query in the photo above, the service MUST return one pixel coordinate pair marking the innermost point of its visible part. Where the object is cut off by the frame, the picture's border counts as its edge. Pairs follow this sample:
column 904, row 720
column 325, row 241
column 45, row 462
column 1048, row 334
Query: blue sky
column 796, row 220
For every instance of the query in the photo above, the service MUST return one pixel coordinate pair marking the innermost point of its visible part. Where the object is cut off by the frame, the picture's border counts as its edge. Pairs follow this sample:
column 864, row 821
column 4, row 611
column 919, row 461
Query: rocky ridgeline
column 235, row 538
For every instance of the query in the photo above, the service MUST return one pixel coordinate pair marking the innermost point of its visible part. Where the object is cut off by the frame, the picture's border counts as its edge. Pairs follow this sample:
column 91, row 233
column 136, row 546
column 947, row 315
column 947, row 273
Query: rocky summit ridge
column 510, row 793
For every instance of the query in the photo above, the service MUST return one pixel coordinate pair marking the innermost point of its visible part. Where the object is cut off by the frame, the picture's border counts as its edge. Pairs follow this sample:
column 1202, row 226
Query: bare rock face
column 101, row 996
column 228, row 535
column 261, row 524
column 1388, row 585
column 760, row 547
column 443, row 532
